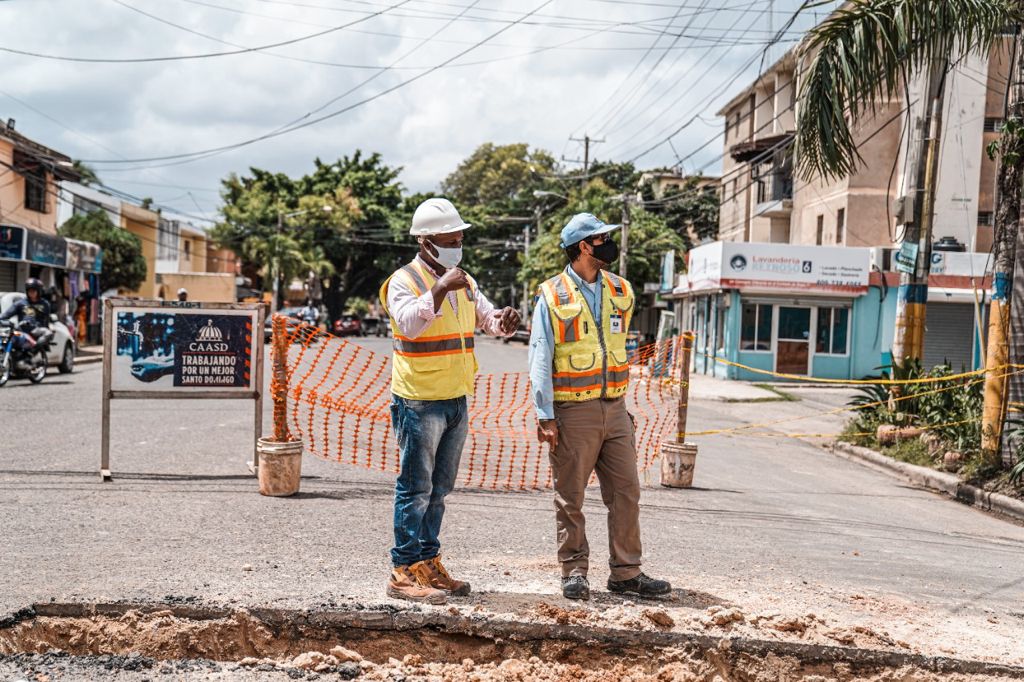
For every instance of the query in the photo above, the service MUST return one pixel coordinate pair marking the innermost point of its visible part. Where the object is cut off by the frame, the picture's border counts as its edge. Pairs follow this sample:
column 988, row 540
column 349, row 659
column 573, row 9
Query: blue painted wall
column 871, row 341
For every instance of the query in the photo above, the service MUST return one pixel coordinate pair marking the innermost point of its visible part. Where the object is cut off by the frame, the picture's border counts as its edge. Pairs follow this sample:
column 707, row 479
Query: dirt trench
column 435, row 644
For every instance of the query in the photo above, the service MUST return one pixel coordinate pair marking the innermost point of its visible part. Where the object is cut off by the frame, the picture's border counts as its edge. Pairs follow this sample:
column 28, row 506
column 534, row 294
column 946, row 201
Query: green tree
column 494, row 189
column 690, row 211
column 86, row 173
column 349, row 248
column 124, row 266
column 649, row 237
column 866, row 52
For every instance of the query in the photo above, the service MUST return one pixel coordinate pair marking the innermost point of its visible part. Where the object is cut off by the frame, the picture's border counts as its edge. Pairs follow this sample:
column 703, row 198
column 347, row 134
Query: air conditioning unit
column 903, row 208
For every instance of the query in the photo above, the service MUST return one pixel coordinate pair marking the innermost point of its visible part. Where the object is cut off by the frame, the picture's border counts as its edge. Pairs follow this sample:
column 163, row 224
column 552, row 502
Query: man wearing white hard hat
column 182, row 294
column 434, row 307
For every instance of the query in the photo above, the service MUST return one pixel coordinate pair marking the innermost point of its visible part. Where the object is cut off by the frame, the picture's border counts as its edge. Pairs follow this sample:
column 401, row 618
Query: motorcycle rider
column 33, row 312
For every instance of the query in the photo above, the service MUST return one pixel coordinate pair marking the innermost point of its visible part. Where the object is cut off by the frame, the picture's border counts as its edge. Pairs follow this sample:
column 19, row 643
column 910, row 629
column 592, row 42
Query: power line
column 619, row 104
column 206, row 55
column 683, row 75
column 338, row 112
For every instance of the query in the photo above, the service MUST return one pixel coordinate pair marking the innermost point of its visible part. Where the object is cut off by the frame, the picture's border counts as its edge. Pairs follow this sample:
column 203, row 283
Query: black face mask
column 607, row 251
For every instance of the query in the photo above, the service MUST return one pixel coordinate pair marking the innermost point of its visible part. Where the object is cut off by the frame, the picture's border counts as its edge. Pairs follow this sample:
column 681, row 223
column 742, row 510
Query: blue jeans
column 430, row 434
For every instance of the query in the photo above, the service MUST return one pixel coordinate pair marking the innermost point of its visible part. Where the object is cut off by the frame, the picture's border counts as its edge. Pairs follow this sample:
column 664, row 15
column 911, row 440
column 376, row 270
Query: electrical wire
column 206, row 55
column 333, row 114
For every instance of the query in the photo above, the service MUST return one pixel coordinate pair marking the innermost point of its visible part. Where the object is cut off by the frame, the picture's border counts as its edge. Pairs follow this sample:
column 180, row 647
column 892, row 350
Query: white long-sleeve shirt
column 413, row 314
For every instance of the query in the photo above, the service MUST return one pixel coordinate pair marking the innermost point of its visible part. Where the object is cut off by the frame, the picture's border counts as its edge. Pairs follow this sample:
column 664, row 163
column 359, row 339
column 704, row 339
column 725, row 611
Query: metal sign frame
column 110, row 307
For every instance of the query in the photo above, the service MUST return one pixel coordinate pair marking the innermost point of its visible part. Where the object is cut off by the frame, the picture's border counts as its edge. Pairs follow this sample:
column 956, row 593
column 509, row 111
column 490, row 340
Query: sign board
column 12, row 242
column 779, row 267
column 171, row 349
column 959, row 263
column 183, row 350
column 46, row 249
column 905, row 259
column 668, row 271
column 84, row 256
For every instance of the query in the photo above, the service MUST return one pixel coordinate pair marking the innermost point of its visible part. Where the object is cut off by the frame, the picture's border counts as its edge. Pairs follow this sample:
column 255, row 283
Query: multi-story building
column 32, row 177
column 177, row 253
column 804, row 281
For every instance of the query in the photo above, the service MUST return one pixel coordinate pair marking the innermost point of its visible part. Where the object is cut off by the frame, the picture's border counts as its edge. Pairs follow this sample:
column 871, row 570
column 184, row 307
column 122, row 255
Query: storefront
column 780, row 309
column 760, row 310
column 68, row 268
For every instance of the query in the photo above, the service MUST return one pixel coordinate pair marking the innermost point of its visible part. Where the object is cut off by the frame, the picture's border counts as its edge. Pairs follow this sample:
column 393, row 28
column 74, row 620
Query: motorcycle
column 27, row 363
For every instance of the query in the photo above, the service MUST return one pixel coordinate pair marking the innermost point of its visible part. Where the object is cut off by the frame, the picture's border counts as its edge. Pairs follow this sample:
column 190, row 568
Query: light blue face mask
column 446, row 257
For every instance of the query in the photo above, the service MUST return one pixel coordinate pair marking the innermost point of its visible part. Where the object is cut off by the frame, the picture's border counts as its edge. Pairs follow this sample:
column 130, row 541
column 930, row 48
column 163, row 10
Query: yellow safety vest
column 439, row 364
column 590, row 359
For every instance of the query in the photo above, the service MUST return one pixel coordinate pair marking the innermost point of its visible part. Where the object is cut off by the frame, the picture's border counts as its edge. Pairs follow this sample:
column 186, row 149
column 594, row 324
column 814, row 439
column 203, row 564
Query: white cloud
column 156, row 109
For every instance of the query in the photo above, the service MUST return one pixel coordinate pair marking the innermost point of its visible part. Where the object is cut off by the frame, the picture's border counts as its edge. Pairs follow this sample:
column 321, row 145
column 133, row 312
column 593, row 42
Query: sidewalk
column 703, row 387
column 89, row 354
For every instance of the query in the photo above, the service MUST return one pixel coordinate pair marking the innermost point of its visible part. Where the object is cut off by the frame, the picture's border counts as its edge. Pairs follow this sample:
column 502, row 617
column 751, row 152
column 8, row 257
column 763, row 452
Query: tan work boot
column 405, row 585
column 433, row 573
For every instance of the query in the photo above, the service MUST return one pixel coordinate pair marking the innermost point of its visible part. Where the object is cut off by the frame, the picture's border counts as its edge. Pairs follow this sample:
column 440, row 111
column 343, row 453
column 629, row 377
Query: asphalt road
column 773, row 522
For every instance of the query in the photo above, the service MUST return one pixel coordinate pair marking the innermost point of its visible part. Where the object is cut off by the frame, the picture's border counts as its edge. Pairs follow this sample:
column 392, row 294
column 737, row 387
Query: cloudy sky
column 423, row 82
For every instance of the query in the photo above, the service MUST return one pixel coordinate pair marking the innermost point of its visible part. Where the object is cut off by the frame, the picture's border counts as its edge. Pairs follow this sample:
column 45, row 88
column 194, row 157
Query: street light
column 538, row 193
column 274, row 265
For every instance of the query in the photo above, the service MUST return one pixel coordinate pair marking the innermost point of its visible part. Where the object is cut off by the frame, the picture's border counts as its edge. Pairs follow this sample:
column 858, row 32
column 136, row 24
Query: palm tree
column 866, row 53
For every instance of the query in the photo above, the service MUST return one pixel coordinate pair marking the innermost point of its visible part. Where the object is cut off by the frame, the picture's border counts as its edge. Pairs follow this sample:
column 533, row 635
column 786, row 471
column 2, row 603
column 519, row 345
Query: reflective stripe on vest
column 433, row 345
column 583, row 368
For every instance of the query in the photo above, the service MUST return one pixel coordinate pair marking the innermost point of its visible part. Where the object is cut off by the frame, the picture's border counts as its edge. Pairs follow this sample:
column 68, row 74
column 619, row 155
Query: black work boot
column 575, row 587
column 641, row 585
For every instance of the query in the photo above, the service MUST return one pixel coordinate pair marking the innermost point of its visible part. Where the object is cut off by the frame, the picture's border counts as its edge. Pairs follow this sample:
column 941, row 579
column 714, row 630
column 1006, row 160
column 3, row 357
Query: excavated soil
column 135, row 641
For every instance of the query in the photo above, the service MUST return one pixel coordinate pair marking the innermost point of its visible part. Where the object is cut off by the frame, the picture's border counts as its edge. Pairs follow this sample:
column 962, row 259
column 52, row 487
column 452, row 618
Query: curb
column 88, row 359
column 934, row 480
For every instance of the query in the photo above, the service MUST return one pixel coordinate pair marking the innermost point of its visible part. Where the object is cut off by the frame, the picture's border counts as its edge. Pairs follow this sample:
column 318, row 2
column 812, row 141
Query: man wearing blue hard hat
column 579, row 376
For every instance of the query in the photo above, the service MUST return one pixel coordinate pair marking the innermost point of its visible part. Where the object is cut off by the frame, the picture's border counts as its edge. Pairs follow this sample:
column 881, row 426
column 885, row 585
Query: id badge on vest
column 616, row 323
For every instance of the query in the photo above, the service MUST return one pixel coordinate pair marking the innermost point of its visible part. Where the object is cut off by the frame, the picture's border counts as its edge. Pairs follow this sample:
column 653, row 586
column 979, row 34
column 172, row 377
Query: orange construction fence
column 338, row 403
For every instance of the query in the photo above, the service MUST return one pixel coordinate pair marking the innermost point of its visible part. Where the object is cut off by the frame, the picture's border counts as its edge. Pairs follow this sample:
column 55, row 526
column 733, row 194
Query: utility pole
column 525, row 307
column 587, row 141
column 912, row 298
column 1006, row 311
column 624, row 249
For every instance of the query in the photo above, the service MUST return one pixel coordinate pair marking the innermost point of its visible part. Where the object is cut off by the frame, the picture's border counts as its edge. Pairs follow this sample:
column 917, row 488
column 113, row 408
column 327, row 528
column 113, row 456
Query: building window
column 840, row 226
column 756, row 327
column 188, row 249
column 821, row 231
column 35, row 190
column 833, row 329
column 735, row 188
column 82, row 206
column 993, row 125
column 985, row 218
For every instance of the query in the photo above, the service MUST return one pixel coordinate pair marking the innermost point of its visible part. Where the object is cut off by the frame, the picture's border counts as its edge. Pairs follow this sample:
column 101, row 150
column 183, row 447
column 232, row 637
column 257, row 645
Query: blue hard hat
column 583, row 225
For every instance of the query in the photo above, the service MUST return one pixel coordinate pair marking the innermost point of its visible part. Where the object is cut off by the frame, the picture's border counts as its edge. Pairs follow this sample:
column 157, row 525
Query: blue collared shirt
column 542, row 344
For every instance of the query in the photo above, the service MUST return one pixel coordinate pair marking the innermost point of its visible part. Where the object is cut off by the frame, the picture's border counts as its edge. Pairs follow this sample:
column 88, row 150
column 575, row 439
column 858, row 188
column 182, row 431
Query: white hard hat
column 436, row 216
column 183, row 290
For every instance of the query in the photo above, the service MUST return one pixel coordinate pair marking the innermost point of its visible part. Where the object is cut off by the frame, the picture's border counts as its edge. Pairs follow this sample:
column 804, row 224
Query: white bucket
column 678, row 461
column 280, row 467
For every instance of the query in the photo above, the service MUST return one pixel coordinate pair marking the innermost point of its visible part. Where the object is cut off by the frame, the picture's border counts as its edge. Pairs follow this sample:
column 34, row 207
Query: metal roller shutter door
column 8, row 276
column 949, row 335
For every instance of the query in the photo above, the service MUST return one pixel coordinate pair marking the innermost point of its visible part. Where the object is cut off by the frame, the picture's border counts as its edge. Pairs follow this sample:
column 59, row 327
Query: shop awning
column 19, row 243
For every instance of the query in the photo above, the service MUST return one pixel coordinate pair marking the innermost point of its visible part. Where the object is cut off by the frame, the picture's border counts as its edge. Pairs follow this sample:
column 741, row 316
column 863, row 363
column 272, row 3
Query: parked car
column 293, row 312
column 522, row 334
column 152, row 368
column 378, row 326
column 62, row 348
column 348, row 325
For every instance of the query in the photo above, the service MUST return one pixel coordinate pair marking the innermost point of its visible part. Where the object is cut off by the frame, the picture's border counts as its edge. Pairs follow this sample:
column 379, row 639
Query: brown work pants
column 597, row 434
